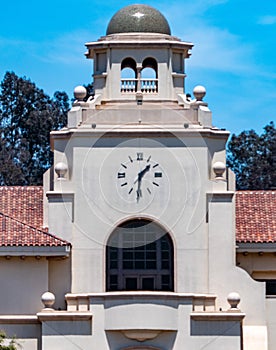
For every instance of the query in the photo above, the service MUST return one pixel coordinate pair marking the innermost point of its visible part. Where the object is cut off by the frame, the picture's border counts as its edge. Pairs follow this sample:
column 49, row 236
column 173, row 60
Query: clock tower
column 141, row 191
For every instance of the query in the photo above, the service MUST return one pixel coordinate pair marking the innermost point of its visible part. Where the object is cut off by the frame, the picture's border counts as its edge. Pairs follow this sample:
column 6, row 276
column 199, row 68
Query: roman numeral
column 129, row 192
column 123, row 165
column 149, row 158
column 156, row 165
column 121, row 175
column 155, row 184
column 124, row 184
column 139, row 156
column 157, row 174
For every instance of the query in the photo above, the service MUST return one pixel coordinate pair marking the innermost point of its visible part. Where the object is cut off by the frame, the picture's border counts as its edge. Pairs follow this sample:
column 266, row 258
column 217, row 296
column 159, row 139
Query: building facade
column 137, row 244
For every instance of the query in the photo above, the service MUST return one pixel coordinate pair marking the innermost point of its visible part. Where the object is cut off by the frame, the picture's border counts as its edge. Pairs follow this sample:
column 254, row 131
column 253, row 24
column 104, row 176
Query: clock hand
column 139, row 191
column 139, row 180
column 142, row 173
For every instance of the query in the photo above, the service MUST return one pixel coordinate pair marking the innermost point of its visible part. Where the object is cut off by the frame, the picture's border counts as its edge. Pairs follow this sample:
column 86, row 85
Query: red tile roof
column 24, row 203
column 21, row 218
column 256, row 216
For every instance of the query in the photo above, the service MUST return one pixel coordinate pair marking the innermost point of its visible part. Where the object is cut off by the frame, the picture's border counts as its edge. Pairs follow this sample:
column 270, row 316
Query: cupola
column 138, row 59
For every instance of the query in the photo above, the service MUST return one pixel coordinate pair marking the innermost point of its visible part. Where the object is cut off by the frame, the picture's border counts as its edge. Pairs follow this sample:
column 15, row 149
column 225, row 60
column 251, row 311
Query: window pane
column 128, row 264
column 113, row 282
column 151, row 255
column 139, row 255
column 113, row 264
column 165, row 264
column 131, row 283
column 271, row 287
column 113, row 254
column 139, row 265
column 148, row 283
column 127, row 255
column 165, row 284
column 151, row 265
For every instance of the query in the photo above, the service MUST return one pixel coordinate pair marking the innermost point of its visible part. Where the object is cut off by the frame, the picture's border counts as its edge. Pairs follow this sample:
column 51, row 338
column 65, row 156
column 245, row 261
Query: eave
column 256, row 247
column 36, row 251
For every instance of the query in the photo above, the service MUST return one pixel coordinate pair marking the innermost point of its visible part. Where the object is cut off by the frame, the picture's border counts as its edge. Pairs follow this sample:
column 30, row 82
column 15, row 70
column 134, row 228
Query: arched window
column 139, row 257
column 128, row 75
column 149, row 78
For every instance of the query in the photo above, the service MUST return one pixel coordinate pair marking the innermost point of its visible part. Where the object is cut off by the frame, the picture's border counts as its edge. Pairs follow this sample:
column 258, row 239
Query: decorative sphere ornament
column 234, row 300
column 219, row 169
column 199, row 92
column 61, row 170
column 80, row 92
column 48, row 299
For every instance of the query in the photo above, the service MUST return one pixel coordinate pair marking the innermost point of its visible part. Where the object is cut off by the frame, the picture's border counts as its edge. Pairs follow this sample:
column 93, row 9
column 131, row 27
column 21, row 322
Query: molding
column 252, row 247
column 178, row 75
column 63, row 251
column 60, row 195
column 53, row 315
column 140, row 294
column 148, row 129
column 234, row 316
column 219, row 196
column 18, row 319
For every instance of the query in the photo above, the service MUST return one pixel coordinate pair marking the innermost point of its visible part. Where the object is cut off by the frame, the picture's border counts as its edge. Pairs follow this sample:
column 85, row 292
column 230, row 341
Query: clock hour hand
column 142, row 173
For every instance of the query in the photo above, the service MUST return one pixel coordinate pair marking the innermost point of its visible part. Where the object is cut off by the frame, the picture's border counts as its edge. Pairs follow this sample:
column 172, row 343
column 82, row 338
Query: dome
column 138, row 19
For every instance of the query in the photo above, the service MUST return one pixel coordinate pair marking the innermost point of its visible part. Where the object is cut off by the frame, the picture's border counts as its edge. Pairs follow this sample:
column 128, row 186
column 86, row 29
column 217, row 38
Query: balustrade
column 148, row 86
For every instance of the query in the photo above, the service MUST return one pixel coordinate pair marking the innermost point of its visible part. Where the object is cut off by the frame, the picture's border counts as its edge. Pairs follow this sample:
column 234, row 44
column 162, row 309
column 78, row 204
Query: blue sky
column 234, row 55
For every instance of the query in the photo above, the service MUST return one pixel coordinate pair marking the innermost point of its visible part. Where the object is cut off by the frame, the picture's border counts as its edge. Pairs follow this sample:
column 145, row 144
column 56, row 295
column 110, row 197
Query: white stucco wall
column 22, row 284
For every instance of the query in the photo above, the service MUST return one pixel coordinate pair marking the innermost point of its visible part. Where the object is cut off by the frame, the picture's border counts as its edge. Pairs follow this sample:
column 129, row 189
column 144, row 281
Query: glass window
column 270, row 286
column 139, row 257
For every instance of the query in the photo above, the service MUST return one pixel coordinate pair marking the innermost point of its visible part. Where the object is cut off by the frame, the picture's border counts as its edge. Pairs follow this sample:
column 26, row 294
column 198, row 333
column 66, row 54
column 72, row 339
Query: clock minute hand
column 139, row 179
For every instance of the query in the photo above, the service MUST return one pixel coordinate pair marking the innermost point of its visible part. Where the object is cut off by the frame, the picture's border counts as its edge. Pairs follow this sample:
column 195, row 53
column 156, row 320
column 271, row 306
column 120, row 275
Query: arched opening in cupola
column 149, row 75
column 128, row 75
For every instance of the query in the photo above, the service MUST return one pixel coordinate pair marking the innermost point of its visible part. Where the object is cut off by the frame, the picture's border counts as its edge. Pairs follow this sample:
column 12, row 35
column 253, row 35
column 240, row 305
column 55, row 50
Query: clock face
column 139, row 177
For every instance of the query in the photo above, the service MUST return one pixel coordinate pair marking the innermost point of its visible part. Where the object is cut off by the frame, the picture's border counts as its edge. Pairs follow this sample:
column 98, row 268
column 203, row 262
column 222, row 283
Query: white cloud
column 67, row 49
column 215, row 48
column 191, row 8
column 218, row 49
column 267, row 20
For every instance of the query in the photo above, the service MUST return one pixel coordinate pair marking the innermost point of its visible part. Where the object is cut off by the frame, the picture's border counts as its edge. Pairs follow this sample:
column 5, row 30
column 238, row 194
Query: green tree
column 252, row 158
column 26, row 119
column 11, row 345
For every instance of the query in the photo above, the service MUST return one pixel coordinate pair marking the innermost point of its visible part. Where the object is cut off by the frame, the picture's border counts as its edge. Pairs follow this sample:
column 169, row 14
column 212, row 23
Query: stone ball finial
column 48, row 299
column 199, row 92
column 233, row 299
column 219, row 169
column 80, row 93
column 61, row 170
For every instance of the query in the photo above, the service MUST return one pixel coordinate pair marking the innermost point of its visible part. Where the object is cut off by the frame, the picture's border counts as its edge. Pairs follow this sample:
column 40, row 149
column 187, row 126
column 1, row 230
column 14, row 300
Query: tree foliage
column 252, row 158
column 27, row 115
column 10, row 346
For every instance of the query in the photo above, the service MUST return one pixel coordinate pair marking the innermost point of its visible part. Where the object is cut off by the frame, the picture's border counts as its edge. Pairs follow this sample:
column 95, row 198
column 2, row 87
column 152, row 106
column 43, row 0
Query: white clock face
column 139, row 177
